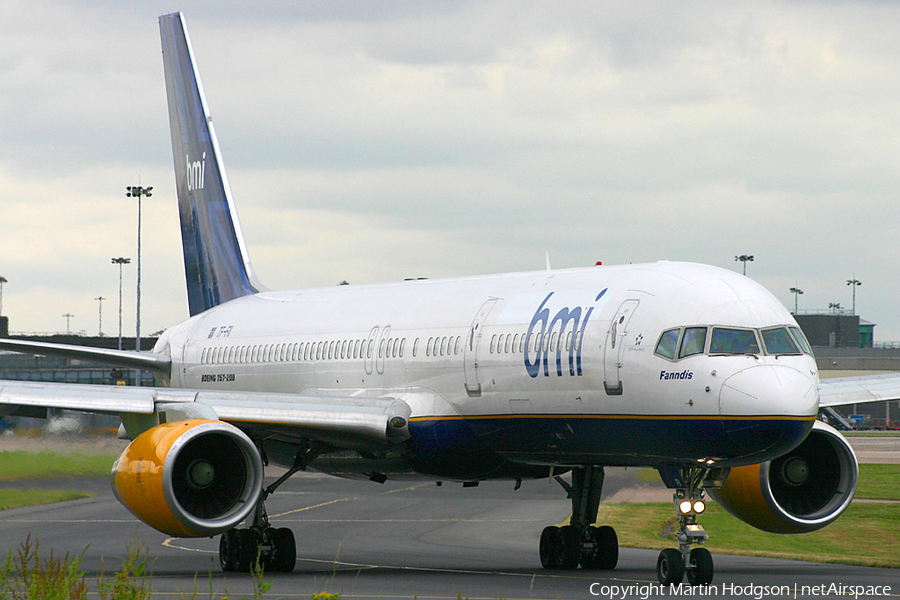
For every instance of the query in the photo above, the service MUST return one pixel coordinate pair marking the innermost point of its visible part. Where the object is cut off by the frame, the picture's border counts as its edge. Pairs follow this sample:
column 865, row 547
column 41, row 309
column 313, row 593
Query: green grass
column 16, row 498
column 865, row 535
column 879, row 482
column 19, row 464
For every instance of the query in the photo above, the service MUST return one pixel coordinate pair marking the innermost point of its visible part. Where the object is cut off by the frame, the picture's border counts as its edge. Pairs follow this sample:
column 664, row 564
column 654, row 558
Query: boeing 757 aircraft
column 692, row 370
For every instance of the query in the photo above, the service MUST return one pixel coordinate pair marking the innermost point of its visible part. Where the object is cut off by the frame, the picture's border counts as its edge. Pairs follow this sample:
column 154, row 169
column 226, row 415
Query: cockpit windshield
column 778, row 341
column 733, row 341
column 682, row 342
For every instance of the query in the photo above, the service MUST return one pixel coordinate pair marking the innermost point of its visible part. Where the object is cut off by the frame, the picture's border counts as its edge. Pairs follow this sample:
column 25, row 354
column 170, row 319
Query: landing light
column 687, row 507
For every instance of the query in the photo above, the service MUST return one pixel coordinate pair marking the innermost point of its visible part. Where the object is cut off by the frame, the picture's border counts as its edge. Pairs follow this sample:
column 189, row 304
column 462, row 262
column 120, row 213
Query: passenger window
column 778, row 341
column 733, row 341
column 667, row 343
column 801, row 339
column 693, row 341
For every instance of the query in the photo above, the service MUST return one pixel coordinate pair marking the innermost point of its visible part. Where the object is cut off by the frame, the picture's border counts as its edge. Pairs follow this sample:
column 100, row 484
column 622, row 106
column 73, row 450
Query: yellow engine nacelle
column 193, row 478
column 802, row 491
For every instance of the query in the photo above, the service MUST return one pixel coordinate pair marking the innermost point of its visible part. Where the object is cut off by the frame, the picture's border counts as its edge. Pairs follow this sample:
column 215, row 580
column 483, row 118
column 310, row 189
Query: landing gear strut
column 274, row 549
column 696, row 563
column 580, row 542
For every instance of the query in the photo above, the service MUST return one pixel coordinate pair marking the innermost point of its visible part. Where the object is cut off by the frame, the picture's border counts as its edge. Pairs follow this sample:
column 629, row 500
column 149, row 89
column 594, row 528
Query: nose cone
column 767, row 410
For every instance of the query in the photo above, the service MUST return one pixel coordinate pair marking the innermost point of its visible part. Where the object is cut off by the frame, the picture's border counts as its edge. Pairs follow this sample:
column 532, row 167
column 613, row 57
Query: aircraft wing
column 344, row 422
column 118, row 358
column 859, row 390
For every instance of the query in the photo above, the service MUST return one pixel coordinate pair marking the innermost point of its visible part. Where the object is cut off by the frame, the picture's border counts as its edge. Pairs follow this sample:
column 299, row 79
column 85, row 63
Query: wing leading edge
column 859, row 390
column 344, row 422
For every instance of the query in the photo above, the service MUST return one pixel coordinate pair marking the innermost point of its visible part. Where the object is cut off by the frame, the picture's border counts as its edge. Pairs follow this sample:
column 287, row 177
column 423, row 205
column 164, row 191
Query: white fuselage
column 553, row 367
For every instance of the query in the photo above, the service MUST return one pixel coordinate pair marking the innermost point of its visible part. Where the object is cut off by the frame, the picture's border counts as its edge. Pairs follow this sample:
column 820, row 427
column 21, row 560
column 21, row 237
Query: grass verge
column 20, row 464
column 879, row 482
column 865, row 535
column 17, row 498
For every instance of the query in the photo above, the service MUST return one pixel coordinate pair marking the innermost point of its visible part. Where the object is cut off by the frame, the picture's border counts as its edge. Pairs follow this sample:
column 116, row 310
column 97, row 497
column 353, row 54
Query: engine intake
column 194, row 478
column 802, row 491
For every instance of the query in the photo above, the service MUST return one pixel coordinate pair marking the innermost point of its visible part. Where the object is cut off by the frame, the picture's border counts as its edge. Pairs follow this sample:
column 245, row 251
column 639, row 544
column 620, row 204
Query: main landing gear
column 697, row 563
column 275, row 549
column 580, row 542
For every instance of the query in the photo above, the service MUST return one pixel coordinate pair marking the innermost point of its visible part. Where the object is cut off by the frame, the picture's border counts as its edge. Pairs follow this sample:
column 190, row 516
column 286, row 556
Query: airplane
column 692, row 370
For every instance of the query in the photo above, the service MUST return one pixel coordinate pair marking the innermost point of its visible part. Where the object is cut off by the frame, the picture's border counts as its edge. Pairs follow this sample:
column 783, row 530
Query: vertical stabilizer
column 216, row 263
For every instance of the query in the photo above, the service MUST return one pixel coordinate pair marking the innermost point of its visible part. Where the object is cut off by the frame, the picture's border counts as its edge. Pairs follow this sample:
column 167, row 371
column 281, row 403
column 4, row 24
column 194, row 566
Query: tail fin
column 216, row 264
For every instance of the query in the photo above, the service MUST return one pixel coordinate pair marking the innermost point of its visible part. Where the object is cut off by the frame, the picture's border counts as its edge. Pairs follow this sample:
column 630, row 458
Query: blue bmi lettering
column 540, row 345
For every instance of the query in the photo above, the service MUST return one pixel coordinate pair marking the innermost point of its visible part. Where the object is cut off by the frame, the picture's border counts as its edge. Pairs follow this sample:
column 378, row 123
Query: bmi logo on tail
column 196, row 173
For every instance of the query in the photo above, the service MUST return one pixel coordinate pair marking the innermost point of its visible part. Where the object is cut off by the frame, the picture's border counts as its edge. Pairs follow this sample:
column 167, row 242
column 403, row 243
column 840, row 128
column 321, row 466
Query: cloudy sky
column 372, row 141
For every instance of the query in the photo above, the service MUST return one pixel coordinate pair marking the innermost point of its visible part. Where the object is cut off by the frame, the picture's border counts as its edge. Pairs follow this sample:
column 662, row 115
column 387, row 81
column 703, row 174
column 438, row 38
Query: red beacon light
column 599, row 263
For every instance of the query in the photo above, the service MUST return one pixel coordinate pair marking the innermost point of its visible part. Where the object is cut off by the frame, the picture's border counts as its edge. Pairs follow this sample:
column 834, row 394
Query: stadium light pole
column 136, row 191
column 854, row 283
column 744, row 258
column 100, row 300
column 120, row 261
column 68, row 316
column 796, row 292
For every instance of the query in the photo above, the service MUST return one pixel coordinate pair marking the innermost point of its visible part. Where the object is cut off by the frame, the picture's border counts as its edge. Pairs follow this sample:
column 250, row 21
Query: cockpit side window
column 733, row 341
column 667, row 343
column 693, row 341
column 801, row 339
column 779, row 341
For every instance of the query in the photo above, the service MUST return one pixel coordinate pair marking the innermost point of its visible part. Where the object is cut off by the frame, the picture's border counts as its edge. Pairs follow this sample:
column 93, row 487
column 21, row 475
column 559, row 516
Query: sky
column 374, row 141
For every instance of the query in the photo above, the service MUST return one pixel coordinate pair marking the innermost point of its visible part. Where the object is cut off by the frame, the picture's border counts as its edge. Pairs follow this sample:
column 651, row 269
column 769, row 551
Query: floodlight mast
column 138, row 192
column 744, row 259
column 120, row 261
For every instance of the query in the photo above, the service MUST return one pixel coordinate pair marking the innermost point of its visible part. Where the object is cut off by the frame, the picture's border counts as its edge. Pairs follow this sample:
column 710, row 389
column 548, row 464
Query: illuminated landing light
column 684, row 507
column 699, row 506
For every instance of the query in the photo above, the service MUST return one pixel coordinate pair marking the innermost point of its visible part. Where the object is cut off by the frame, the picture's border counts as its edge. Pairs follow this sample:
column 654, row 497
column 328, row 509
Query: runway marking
column 290, row 512
column 414, row 520
column 585, row 575
column 69, row 521
column 169, row 543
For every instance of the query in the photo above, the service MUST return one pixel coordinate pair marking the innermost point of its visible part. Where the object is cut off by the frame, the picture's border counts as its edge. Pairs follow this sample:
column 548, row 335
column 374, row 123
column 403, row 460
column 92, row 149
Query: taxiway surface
column 398, row 540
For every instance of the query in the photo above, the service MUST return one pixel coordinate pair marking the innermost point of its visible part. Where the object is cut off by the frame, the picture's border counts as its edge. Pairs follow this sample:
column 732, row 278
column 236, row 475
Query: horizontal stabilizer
column 115, row 358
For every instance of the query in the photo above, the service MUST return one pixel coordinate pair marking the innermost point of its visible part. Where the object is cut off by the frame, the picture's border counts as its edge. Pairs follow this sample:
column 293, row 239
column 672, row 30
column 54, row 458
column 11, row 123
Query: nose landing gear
column 580, row 542
column 688, row 499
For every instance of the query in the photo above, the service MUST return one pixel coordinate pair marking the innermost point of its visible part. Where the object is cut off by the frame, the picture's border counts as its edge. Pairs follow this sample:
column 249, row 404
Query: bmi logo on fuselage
column 537, row 354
